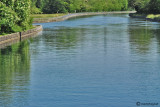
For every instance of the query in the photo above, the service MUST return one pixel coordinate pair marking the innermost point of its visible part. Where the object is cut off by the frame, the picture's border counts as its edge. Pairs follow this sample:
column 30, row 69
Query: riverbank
column 14, row 37
column 71, row 15
column 149, row 17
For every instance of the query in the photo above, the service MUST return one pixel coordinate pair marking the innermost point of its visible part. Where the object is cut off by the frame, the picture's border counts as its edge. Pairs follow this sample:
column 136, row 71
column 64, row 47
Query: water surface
column 95, row 61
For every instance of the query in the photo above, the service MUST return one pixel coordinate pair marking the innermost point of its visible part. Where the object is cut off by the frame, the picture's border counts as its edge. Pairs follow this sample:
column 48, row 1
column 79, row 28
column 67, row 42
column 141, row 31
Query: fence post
column 20, row 33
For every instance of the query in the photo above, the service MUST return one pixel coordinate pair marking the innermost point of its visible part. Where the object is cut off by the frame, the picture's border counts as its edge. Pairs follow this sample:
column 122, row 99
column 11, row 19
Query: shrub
column 14, row 15
column 8, row 19
column 35, row 10
column 22, row 8
column 154, row 6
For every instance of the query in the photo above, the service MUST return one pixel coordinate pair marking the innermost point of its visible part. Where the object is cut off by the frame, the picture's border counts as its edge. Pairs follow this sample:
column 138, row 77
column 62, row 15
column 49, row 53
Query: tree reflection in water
column 14, row 74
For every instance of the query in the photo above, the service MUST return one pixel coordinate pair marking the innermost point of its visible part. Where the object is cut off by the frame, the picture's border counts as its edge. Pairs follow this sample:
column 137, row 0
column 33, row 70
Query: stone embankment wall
column 14, row 37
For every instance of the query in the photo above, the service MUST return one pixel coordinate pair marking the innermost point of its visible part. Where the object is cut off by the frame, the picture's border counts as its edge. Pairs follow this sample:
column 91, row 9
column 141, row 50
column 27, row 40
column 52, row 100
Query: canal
column 93, row 61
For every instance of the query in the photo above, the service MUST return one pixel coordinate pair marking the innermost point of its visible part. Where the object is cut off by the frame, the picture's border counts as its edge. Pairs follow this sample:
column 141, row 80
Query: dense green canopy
column 14, row 15
column 61, row 6
column 146, row 6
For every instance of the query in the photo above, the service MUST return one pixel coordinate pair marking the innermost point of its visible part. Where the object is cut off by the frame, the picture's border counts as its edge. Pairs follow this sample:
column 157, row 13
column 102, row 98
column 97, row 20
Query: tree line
column 63, row 6
column 145, row 6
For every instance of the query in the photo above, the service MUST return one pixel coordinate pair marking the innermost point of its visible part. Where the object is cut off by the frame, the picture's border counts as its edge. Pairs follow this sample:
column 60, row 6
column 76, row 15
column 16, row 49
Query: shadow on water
column 14, row 74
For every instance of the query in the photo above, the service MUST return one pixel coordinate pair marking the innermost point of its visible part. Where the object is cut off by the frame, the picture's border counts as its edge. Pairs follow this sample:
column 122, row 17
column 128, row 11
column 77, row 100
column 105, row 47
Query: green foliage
column 36, row 6
column 62, row 6
column 154, row 6
column 14, row 15
column 16, row 28
column 22, row 8
column 35, row 10
column 145, row 6
column 141, row 6
column 54, row 6
column 8, row 3
column 8, row 19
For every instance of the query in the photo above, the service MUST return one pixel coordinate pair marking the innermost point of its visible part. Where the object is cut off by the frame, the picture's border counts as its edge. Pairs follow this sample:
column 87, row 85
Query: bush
column 35, row 10
column 54, row 6
column 154, row 6
column 14, row 15
column 141, row 6
column 8, row 19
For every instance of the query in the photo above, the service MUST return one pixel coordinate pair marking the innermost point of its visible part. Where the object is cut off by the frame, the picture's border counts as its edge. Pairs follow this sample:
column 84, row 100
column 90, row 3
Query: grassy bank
column 151, row 17
column 47, row 15
column 45, row 18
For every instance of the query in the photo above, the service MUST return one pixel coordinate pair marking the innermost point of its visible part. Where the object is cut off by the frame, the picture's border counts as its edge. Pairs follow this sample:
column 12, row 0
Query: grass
column 152, row 16
column 3, row 34
column 47, row 15
column 149, row 16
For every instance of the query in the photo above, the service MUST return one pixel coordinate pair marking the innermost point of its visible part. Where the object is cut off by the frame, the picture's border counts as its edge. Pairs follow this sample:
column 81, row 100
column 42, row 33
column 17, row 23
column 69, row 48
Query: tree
column 154, row 6
column 54, row 6
column 60, row 6
column 14, row 15
column 8, row 19
column 141, row 6
column 22, row 8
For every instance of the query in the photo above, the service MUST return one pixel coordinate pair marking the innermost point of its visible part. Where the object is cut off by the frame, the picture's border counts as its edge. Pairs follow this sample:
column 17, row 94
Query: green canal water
column 94, row 61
